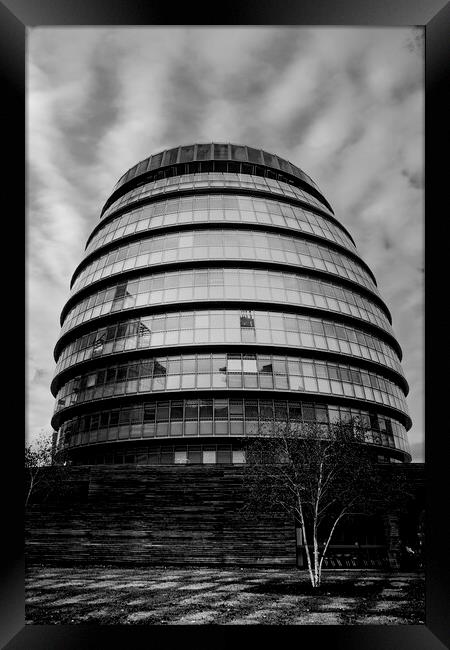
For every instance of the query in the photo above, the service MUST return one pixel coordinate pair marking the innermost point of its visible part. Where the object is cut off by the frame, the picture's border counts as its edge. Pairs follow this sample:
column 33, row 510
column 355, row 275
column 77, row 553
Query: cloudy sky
column 344, row 104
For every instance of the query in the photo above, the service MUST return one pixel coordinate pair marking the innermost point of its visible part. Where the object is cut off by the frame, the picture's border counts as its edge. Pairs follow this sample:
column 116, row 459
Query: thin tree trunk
column 329, row 540
column 308, row 557
column 30, row 489
column 316, row 556
column 315, row 527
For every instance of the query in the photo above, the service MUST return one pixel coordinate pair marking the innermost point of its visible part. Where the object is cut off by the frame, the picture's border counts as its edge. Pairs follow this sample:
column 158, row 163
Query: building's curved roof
column 214, row 151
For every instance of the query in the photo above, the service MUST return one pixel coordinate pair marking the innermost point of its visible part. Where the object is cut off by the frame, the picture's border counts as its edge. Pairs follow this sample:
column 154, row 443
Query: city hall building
column 217, row 292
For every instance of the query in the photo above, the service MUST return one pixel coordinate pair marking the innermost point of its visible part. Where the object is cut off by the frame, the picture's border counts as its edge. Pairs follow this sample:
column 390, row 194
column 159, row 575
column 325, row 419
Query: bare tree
column 43, row 465
column 319, row 475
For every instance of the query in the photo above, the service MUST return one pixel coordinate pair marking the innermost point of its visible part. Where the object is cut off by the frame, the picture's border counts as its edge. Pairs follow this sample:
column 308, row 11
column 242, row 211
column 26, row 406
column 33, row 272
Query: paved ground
column 172, row 596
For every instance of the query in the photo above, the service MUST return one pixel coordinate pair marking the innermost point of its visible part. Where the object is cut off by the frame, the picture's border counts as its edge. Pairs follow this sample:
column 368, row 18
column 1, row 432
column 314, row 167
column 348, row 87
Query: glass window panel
column 236, row 410
column 176, row 411
column 203, row 151
column 188, row 381
column 279, row 365
column 251, row 410
column 209, row 457
column 308, row 412
column 249, row 365
column 237, row 428
column 180, row 457
column 162, row 413
column 281, row 382
column 191, row 409
column 296, row 382
column 336, row 387
column 194, row 454
column 167, row 455
column 221, row 409
column 310, row 383
column 266, row 410
column 234, row 365
column 224, row 455
column 235, row 380
column 186, row 153
column 173, row 382
column 333, row 372
column 251, row 381
column 238, row 456
column 204, row 381
column 266, row 381
column 219, row 363
column 203, row 364
column 189, row 365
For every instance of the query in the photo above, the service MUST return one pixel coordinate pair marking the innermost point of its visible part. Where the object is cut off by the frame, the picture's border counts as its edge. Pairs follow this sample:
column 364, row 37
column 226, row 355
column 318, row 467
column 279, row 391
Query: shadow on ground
column 220, row 596
column 350, row 588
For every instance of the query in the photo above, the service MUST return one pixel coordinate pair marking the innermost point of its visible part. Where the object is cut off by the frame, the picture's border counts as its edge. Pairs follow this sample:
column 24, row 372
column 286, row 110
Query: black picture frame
column 434, row 16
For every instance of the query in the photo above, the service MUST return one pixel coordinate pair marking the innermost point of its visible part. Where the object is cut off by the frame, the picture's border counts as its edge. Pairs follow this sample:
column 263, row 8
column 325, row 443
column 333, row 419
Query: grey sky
column 344, row 104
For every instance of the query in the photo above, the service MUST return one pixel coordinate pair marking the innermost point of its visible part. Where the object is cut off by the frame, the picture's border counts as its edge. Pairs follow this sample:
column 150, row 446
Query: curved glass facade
column 240, row 182
column 195, row 154
column 221, row 327
column 217, row 208
column 231, row 284
column 234, row 245
column 222, row 418
column 230, row 371
column 302, row 332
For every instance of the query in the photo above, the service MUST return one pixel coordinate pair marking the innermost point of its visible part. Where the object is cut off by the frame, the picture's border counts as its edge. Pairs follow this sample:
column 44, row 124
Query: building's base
column 179, row 515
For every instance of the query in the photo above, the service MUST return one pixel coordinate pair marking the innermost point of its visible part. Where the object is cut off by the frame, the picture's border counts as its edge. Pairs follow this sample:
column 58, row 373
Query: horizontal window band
column 228, row 227
column 224, row 284
column 208, row 166
column 207, row 348
column 216, row 247
column 225, row 454
column 339, row 318
column 225, row 263
column 113, row 311
column 223, row 369
column 204, row 184
column 148, row 445
column 217, row 225
column 111, row 403
column 191, row 156
column 232, row 191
